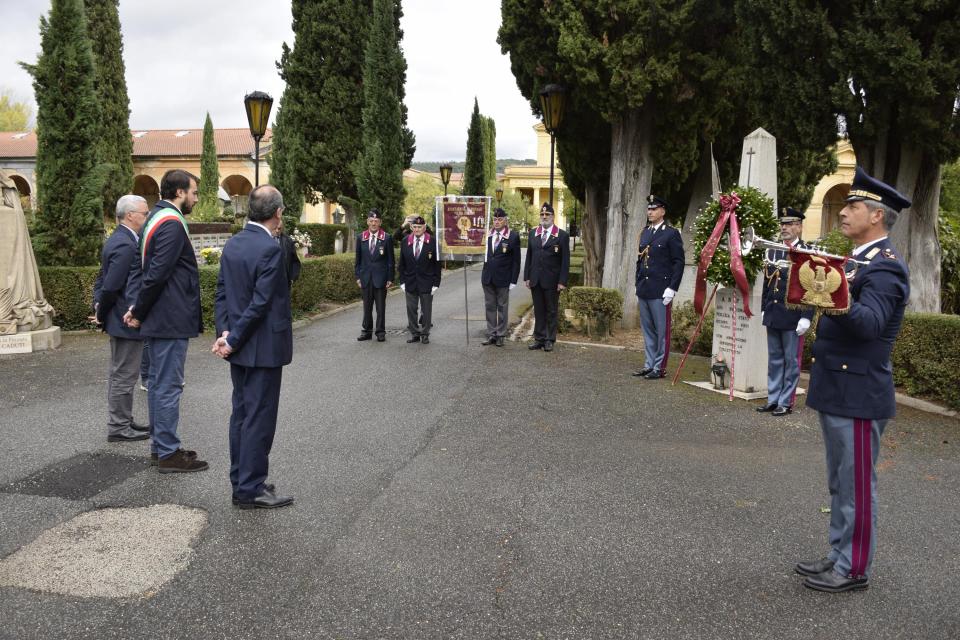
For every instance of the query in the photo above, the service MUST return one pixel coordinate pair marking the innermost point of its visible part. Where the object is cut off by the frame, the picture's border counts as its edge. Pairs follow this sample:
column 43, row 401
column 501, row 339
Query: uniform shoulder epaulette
column 872, row 253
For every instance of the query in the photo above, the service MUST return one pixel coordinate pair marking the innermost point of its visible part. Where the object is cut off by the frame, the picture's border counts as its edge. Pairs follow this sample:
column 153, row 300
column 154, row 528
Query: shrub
column 926, row 357
column 322, row 237
column 683, row 321
column 594, row 306
column 70, row 291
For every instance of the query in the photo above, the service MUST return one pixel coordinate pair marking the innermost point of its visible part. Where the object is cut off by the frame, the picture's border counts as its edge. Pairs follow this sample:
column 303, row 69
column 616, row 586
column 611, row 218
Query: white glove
column 802, row 326
column 433, row 290
column 403, row 287
column 668, row 294
column 512, row 286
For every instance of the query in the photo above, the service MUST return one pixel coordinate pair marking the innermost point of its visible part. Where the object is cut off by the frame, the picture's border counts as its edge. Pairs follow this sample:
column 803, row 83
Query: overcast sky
column 180, row 68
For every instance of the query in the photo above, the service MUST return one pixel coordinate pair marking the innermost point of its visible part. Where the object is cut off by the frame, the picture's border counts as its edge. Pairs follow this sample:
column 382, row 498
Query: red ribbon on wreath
column 728, row 216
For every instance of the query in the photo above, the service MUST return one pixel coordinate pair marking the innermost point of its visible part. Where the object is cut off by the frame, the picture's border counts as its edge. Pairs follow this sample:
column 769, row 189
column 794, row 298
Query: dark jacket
column 168, row 301
column 776, row 315
column 659, row 261
column 502, row 267
column 291, row 260
column 253, row 300
column 376, row 269
column 547, row 265
column 119, row 269
column 421, row 274
column 851, row 374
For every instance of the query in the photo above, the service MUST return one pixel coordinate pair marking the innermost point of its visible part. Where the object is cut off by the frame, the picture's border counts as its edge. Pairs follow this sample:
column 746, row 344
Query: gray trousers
column 124, row 368
column 425, row 303
column 497, row 303
column 852, row 446
column 784, row 348
column 655, row 322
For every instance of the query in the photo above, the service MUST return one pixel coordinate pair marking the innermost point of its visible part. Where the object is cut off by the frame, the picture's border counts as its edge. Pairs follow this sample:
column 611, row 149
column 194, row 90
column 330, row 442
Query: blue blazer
column 547, row 264
column 419, row 274
column 374, row 270
column 851, row 374
column 253, row 300
column 117, row 280
column 502, row 267
column 168, row 301
column 659, row 262
column 776, row 315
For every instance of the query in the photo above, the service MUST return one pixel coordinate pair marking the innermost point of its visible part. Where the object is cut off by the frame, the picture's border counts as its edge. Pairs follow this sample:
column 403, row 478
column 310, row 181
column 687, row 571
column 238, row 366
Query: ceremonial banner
column 463, row 228
column 819, row 282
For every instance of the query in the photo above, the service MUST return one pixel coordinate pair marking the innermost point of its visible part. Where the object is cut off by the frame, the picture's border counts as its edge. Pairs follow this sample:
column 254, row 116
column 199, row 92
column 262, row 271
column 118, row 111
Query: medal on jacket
column 381, row 250
column 503, row 248
column 556, row 248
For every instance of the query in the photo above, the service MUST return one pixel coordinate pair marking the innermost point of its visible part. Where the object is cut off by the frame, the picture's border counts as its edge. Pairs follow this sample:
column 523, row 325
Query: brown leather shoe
column 181, row 462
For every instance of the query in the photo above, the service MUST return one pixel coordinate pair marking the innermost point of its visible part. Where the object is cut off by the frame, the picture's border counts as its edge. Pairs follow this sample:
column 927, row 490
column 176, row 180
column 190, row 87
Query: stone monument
column 26, row 318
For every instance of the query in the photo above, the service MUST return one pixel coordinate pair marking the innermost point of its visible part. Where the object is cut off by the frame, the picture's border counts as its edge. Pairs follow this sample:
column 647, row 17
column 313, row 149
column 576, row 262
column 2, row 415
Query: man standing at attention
column 252, row 308
column 659, row 270
column 167, row 310
column 374, row 267
column 851, row 384
column 545, row 273
column 500, row 273
column 419, row 279
column 118, row 267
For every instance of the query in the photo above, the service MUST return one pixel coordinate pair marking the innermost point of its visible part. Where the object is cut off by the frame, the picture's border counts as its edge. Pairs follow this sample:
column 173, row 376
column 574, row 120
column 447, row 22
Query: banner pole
column 466, row 307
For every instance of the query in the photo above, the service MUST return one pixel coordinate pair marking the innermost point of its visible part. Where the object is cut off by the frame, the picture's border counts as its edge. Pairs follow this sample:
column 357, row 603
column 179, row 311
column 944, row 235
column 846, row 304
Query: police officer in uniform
column 545, row 273
column 501, row 270
column 659, row 270
column 419, row 279
column 851, row 384
column 785, row 327
column 373, row 266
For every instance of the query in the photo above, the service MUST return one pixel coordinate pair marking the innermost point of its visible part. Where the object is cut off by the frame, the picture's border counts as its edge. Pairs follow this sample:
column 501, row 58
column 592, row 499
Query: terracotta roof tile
column 152, row 142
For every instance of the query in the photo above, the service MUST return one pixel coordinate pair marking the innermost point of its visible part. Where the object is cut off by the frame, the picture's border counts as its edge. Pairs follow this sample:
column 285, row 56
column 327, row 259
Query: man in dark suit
column 659, row 269
column 118, row 267
column 167, row 310
column 374, row 267
column 851, row 384
column 501, row 270
column 252, row 309
column 785, row 327
column 419, row 278
column 545, row 274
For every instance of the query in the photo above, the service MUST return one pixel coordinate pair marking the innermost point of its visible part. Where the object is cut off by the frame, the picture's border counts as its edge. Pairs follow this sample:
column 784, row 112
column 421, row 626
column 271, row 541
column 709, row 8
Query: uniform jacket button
column 812, row 360
column 844, row 367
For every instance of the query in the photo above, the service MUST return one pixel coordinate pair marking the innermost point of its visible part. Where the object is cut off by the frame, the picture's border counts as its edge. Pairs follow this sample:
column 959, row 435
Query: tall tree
column 489, row 153
column 379, row 169
column 114, row 142
column 69, row 184
column 474, row 183
column 208, row 205
column 14, row 114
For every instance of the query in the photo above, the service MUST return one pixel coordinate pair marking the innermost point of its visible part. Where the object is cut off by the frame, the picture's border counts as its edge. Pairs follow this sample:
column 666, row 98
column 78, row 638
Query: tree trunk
column 593, row 234
column 631, row 170
column 701, row 195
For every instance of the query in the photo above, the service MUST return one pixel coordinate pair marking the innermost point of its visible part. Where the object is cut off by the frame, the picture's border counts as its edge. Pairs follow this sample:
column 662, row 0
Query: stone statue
column 22, row 305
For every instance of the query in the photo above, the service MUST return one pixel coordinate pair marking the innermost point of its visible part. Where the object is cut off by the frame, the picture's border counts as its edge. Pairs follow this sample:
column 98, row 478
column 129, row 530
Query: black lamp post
column 258, row 106
column 445, row 171
column 553, row 98
column 499, row 193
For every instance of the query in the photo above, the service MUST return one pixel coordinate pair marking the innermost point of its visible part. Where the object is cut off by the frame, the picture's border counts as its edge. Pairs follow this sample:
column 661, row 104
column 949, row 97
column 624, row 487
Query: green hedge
column 322, row 237
column 595, row 307
column 926, row 355
column 322, row 279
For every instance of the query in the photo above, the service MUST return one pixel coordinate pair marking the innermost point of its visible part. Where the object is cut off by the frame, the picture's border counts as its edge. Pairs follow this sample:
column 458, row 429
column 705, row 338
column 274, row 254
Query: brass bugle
column 749, row 240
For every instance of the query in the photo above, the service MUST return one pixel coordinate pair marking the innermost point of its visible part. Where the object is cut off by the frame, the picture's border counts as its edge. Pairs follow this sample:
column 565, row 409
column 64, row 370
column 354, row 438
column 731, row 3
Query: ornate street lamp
column 258, row 106
column 499, row 193
column 553, row 98
column 445, row 171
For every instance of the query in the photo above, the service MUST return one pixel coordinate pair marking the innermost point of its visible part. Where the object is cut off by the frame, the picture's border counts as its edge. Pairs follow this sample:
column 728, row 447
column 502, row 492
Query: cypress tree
column 473, row 178
column 489, row 153
column 208, row 207
column 69, row 227
column 379, row 169
column 114, row 143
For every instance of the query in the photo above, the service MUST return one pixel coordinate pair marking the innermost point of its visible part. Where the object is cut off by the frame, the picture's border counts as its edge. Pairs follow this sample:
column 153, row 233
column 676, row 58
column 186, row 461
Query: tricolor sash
column 161, row 216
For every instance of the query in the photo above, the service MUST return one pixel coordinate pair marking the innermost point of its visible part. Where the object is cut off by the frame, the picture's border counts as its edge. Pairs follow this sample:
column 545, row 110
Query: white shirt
column 657, row 226
column 859, row 250
column 135, row 235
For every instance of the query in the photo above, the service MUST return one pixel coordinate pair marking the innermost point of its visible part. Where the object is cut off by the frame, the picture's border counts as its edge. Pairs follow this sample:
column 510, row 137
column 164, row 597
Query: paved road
column 446, row 491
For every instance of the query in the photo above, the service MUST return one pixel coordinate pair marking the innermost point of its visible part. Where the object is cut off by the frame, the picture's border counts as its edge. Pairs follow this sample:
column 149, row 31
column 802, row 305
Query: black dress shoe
column 381, row 338
column 500, row 342
column 655, row 375
column 130, row 436
column 535, row 346
column 364, row 336
column 412, row 339
column 488, row 341
column 139, row 427
column 266, row 500
column 832, row 582
column 424, row 339
column 267, row 486
column 548, row 346
column 813, row 567
column 781, row 411
column 766, row 409
column 641, row 372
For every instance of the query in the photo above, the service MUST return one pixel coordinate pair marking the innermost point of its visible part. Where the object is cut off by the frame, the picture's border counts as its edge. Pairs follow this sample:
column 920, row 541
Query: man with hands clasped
column 419, row 279
column 545, row 273
column 500, row 273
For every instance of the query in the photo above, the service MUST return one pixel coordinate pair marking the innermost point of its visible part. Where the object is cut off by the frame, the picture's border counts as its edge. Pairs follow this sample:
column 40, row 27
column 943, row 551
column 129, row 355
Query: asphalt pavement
column 455, row 491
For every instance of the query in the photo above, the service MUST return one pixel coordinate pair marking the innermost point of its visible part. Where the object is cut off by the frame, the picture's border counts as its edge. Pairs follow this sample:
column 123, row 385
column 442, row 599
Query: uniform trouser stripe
column 666, row 340
column 862, row 522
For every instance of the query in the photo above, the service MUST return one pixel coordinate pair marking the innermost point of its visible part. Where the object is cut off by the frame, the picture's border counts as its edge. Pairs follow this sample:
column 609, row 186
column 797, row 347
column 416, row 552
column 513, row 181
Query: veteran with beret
column 501, row 270
column 545, row 273
column 419, row 279
column 374, row 268
column 851, row 384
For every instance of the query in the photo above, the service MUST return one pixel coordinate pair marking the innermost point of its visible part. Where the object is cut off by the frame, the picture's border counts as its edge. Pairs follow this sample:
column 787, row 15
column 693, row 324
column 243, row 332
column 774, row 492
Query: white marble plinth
column 741, row 342
column 30, row 341
column 756, row 395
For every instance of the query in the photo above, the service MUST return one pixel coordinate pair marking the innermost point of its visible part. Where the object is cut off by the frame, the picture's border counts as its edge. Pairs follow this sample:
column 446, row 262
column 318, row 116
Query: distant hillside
column 434, row 167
